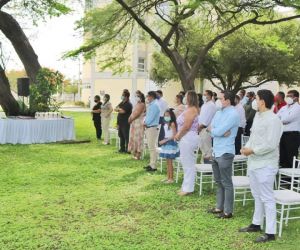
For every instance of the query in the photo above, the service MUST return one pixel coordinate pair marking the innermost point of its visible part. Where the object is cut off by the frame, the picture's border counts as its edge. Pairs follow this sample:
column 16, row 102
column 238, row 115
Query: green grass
column 86, row 196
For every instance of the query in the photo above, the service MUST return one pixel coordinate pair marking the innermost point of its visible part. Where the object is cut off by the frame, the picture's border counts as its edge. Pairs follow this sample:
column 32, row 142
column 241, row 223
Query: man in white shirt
column 163, row 106
column 290, row 140
column 207, row 113
column 241, row 111
column 262, row 150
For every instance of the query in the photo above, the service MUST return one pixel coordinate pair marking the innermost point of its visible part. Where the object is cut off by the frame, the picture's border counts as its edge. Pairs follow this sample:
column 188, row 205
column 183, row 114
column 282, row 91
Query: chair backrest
column 244, row 140
column 295, row 182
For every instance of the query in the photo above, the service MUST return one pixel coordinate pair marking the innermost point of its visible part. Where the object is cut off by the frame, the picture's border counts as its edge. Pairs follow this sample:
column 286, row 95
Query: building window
column 141, row 64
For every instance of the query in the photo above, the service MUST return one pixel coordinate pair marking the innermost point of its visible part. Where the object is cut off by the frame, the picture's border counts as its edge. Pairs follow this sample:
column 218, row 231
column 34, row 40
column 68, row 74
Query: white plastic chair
column 239, row 164
column 241, row 186
column 288, row 173
column 204, row 171
column 244, row 140
column 288, row 200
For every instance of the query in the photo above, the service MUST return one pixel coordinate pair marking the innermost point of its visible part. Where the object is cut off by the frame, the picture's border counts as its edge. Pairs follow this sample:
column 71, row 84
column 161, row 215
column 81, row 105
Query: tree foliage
column 168, row 23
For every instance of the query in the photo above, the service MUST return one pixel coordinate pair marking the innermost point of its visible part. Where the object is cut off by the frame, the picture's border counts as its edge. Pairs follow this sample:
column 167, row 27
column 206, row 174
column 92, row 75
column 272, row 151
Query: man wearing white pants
column 263, row 151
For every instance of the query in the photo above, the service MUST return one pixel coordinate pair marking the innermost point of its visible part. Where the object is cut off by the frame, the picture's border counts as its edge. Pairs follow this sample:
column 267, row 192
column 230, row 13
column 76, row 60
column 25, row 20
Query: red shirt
column 278, row 106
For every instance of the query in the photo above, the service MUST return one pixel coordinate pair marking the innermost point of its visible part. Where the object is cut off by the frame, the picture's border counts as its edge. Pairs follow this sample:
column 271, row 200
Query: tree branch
column 3, row 2
column 215, row 85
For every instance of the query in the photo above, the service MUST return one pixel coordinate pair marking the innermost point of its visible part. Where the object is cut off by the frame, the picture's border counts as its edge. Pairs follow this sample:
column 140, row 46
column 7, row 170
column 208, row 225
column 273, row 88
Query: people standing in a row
column 96, row 113
column 136, row 121
column 241, row 111
column 207, row 113
column 187, row 136
column 106, row 111
column 152, row 129
column 290, row 140
column 223, row 130
column 124, row 110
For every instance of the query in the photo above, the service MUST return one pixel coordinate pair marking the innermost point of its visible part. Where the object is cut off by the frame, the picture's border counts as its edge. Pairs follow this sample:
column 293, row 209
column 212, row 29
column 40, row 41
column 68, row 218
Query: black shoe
column 122, row 151
column 265, row 238
column 147, row 167
column 214, row 211
column 250, row 229
column 224, row 216
column 151, row 169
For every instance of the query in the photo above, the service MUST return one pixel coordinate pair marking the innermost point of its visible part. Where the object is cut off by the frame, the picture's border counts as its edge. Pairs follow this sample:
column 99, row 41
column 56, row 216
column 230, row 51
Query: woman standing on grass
column 136, row 120
column 187, row 136
column 169, row 147
column 96, row 113
column 106, row 118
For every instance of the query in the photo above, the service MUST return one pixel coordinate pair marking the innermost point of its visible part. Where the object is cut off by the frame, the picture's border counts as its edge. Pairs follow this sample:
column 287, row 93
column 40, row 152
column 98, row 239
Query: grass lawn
column 86, row 196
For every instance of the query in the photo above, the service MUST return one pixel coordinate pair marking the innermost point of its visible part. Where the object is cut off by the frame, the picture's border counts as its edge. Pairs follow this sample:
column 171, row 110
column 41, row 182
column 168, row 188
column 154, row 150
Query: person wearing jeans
column 262, row 150
column 223, row 130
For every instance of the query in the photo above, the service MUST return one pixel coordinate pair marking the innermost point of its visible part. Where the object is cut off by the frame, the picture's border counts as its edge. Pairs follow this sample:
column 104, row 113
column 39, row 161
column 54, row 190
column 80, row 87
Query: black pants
column 238, row 141
column 289, row 144
column 98, row 127
column 248, row 127
column 124, row 136
column 161, row 135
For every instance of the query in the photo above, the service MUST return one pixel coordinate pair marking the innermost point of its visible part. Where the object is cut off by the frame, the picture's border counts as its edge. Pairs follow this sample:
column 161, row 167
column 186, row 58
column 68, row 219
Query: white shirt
column 264, row 140
column 207, row 112
column 240, row 109
column 168, row 132
column 290, row 117
column 163, row 106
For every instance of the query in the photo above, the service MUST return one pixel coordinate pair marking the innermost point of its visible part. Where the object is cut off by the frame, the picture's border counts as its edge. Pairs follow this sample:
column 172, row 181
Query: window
column 141, row 64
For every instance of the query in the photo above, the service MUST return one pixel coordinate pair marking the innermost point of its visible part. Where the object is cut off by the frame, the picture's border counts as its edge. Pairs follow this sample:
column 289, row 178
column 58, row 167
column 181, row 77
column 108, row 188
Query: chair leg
column 279, row 181
column 200, row 183
column 287, row 215
column 281, row 220
column 244, row 199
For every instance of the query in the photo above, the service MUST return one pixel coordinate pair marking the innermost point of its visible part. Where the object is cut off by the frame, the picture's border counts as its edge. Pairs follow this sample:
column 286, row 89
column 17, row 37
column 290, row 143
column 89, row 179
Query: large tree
column 168, row 22
column 9, row 26
column 246, row 59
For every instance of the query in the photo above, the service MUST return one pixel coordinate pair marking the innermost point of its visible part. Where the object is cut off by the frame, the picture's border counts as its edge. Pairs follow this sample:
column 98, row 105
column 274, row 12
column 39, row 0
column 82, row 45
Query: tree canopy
column 168, row 23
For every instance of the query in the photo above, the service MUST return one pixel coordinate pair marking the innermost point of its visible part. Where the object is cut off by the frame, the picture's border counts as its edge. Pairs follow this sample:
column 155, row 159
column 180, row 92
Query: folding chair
column 204, row 171
column 288, row 173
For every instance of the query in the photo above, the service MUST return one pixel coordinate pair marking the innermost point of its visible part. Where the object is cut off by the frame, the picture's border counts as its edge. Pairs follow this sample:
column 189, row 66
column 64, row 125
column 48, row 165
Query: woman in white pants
column 106, row 118
column 188, row 141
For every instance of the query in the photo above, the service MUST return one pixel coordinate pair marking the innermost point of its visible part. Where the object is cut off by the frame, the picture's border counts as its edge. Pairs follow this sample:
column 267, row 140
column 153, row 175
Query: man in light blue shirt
column 152, row 129
column 223, row 130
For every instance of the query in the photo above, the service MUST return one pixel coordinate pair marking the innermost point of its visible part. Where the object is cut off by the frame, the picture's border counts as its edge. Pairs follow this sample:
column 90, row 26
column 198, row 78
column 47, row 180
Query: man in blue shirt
column 223, row 130
column 152, row 129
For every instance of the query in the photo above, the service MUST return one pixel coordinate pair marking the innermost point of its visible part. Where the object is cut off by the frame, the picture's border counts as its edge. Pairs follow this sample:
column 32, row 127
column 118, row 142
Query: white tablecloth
column 22, row 131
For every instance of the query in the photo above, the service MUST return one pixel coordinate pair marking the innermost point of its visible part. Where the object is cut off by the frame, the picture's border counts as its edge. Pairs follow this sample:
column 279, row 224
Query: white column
column 135, row 56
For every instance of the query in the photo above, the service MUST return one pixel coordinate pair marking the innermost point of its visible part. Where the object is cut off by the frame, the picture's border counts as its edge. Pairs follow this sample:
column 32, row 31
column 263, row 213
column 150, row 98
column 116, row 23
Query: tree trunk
column 8, row 103
column 12, row 30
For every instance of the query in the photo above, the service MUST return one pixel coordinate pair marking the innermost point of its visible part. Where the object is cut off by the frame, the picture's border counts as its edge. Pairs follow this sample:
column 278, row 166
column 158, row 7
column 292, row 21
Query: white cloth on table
column 22, row 131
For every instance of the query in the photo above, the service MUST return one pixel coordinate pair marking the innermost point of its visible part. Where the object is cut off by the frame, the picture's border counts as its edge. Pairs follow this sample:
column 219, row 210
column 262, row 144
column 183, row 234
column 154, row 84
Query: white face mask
column 218, row 104
column 184, row 101
column 204, row 98
column 254, row 105
column 289, row 100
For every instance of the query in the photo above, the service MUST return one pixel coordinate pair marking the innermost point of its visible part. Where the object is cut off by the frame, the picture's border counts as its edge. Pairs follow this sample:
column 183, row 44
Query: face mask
column 218, row 104
column 122, row 98
column 167, row 118
column 254, row 105
column 204, row 98
column 184, row 101
column 158, row 97
column 289, row 100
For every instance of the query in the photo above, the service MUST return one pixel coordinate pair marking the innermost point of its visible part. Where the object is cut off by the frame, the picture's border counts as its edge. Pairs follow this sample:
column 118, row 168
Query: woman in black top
column 96, row 112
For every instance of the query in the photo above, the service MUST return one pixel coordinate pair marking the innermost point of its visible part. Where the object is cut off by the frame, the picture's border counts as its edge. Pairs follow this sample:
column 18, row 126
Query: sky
column 50, row 40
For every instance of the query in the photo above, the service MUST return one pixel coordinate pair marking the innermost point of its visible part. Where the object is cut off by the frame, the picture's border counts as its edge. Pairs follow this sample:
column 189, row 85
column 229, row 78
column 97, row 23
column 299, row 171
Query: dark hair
column 182, row 93
column 294, row 92
column 242, row 91
column 215, row 95
column 97, row 97
column 152, row 94
column 267, row 96
column 173, row 117
column 251, row 94
column 142, row 96
column 193, row 98
column 228, row 95
column 200, row 100
column 209, row 92
column 237, row 97
column 159, row 92
column 126, row 94
column 180, row 97
column 107, row 97
column 281, row 94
